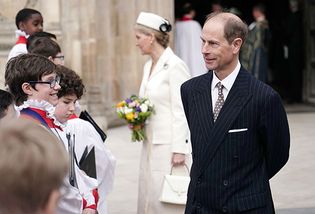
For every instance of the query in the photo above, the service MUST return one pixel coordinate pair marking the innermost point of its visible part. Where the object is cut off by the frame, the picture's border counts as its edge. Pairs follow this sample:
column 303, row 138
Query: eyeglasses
column 52, row 83
column 60, row 57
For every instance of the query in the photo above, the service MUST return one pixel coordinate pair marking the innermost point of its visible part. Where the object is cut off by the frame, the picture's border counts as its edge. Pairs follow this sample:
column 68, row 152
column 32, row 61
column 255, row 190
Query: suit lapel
column 144, row 82
column 203, row 103
column 215, row 134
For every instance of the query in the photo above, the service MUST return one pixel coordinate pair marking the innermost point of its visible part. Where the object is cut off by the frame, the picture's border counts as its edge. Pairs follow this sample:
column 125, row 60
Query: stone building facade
column 98, row 42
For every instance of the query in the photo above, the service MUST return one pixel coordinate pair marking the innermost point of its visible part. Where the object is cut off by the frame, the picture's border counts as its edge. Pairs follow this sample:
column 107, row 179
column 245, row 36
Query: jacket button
column 235, row 156
column 224, row 209
column 199, row 181
column 198, row 206
column 225, row 182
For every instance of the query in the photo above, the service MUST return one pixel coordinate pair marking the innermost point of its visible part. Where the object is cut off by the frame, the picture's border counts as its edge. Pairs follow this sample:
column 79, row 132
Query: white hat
column 154, row 21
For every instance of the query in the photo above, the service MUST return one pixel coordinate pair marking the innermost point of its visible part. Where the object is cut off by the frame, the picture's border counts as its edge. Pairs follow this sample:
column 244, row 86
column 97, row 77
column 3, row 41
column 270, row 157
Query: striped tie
column 220, row 101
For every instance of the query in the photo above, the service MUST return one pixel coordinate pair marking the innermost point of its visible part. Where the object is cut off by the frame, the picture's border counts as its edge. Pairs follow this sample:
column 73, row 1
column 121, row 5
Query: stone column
column 99, row 43
column 85, row 46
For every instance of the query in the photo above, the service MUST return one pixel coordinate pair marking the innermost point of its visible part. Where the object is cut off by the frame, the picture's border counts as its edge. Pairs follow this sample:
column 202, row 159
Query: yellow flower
column 130, row 116
column 121, row 104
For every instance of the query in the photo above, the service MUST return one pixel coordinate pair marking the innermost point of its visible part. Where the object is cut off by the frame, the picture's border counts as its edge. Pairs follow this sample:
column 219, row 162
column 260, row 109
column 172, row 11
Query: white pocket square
column 237, row 130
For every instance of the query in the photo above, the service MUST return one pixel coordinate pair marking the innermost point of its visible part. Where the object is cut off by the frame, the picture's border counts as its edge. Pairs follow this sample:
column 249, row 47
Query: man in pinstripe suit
column 236, row 153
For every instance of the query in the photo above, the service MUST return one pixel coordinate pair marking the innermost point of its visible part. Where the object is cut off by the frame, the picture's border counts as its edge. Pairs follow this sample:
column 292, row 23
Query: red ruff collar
column 21, row 40
column 73, row 116
column 49, row 121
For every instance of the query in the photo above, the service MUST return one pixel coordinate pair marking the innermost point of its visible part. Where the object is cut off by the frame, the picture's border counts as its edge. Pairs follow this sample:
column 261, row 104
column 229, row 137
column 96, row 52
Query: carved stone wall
column 98, row 41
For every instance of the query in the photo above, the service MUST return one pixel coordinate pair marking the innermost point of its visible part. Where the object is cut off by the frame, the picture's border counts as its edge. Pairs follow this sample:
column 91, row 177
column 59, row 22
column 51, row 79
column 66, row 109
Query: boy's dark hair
column 44, row 46
column 70, row 82
column 25, row 68
column 6, row 99
column 40, row 34
column 24, row 14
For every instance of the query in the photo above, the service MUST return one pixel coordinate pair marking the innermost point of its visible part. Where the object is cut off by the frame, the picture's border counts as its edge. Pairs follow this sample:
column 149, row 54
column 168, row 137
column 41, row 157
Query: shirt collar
column 228, row 81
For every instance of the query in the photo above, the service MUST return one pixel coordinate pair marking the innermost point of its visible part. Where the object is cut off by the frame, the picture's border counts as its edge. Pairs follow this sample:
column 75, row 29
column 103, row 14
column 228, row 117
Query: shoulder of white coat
column 177, row 64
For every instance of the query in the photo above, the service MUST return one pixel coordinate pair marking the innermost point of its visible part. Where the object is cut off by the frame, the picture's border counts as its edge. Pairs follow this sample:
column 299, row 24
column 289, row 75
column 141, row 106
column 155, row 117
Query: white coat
column 166, row 130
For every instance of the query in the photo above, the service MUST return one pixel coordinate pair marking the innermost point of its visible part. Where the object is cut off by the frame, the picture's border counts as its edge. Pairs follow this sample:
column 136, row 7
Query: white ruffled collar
column 19, row 33
column 42, row 105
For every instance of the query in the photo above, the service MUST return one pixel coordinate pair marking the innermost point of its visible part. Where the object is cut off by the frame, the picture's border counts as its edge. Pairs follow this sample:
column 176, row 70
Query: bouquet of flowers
column 135, row 111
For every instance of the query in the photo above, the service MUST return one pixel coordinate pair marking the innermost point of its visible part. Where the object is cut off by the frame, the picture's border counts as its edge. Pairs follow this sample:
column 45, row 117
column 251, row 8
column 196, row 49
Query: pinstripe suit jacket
column 234, row 158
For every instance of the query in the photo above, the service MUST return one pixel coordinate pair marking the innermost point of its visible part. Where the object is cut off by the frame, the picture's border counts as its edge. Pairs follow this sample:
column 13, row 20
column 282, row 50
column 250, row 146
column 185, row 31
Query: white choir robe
column 71, row 201
column 16, row 50
column 188, row 46
column 86, row 135
column 19, row 48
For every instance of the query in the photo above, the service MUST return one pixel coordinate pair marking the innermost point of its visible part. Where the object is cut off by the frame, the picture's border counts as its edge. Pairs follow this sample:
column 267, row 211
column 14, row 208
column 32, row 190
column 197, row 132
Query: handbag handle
column 185, row 165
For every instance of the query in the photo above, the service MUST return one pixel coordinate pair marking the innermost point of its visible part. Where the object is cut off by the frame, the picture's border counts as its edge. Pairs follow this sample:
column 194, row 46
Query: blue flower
column 138, row 109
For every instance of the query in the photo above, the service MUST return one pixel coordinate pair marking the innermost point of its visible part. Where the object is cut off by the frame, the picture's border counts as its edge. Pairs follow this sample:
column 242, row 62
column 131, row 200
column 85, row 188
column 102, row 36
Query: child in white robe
column 86, row 135
column 33, row 81
column 28, row 21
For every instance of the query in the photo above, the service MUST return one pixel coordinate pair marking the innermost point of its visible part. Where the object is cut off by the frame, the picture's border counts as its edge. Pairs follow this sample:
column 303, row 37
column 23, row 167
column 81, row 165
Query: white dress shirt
column 227, row 82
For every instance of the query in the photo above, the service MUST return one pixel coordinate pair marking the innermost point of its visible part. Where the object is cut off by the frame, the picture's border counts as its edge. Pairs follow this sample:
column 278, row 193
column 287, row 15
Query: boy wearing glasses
column 46, row 47
column 33, row 81
column 31, row 77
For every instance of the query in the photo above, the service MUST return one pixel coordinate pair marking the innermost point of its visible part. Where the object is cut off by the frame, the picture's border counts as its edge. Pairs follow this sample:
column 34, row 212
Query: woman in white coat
column 167, row 142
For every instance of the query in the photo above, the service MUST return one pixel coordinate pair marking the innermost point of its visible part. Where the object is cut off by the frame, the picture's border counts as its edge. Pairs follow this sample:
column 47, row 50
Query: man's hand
column 178, row 159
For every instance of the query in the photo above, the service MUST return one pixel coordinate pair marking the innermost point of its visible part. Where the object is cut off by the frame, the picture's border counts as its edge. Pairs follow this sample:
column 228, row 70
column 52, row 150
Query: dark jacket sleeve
column 183, row 92
column 275, row 134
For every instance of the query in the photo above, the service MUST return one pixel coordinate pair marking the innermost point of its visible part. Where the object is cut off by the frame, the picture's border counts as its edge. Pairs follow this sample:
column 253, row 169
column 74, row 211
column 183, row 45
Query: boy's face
column 46, row 89
column 65, row 107
column 59, row 59
column 32, row 25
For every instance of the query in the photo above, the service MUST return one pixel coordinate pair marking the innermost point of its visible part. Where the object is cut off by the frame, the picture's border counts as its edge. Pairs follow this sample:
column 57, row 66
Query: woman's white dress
column 166, row 130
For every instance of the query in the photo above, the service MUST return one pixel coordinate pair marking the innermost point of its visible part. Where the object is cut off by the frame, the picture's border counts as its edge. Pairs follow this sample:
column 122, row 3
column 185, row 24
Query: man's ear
column 27, row 88
column 237, row 43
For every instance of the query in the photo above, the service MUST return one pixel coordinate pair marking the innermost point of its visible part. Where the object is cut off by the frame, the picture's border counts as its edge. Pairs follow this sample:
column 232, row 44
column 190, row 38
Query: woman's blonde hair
column 163, row 38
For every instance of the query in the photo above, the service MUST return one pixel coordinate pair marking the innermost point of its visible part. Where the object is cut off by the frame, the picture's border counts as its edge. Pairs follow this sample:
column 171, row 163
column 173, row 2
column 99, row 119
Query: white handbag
column 175, row 188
